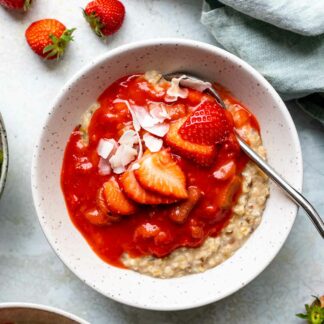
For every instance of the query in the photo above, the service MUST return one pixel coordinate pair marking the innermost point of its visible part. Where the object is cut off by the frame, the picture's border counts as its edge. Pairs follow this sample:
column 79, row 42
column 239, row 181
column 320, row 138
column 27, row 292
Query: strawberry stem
column 58, row 46
column 94, row 23
column 27, row 4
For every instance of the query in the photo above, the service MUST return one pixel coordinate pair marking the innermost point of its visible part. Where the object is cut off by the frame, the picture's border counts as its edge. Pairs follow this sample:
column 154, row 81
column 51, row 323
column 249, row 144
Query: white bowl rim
column 5, row 150
column 46, row 308
column 168, row 41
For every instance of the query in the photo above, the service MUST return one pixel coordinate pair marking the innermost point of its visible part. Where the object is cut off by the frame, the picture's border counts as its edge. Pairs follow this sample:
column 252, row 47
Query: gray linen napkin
column 282, row 39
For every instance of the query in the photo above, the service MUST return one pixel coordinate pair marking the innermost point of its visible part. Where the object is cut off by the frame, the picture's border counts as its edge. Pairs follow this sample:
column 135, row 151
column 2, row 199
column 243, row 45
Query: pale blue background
column 29, row 269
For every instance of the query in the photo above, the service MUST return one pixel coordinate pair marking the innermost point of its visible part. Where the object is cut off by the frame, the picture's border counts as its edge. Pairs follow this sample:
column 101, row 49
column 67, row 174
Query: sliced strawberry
column 203, row 155
column 136, row 192
column 116, row 200
column 158, row 172
column 207, row 125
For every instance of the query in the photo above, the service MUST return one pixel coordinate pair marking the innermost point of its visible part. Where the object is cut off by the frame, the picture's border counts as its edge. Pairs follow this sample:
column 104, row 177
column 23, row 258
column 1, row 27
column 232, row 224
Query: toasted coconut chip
column 158, row 111
column 134, row 166
column 104, row 167
column 158, row 130
column 150, row 124
column 152, row 143
column 119, row 170
column 175, row 91
column 144, row 117
column 153, row 77
column 136, row 123
column 124, row 155
column 106, row 147
column 129, row 138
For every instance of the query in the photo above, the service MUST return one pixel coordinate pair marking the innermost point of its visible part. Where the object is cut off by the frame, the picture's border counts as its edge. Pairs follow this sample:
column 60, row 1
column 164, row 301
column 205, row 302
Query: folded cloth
column 293, row 63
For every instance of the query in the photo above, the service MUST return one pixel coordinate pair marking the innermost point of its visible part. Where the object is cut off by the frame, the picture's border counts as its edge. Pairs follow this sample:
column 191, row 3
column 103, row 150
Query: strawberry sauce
column 220, row 184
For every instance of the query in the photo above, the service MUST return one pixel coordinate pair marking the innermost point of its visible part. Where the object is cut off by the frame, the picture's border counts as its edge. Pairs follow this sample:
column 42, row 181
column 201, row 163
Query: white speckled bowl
column 26, row 313
column 280, row 139
column 5, row 151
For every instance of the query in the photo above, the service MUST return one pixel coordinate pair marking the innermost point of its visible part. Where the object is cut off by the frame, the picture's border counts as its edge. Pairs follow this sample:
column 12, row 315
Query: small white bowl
column 34, row 313
column 279, row 136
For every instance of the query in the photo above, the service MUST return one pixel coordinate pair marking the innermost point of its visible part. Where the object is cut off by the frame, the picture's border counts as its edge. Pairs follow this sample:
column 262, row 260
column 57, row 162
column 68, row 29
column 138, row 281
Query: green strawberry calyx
column 94, row 22
column 314, row 313
column 58, row 46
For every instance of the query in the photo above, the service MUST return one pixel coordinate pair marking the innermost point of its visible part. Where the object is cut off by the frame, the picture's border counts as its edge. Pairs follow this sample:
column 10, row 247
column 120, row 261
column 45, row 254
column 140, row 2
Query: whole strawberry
column 105, row 16
column 16, row 4
column 48, row 38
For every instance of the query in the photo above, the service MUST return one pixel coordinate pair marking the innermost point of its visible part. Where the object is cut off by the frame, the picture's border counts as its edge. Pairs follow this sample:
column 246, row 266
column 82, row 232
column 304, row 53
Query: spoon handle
column 297, row 197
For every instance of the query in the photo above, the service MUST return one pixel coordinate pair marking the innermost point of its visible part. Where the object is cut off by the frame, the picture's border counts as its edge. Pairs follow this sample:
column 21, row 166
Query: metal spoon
column 296, row 196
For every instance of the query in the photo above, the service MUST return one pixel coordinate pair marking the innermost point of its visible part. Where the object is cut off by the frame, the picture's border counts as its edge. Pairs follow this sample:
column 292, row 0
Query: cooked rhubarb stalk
column 116, row 200
column 97, row 217
column 180, row 213
column 101, row 215
column 225, row 198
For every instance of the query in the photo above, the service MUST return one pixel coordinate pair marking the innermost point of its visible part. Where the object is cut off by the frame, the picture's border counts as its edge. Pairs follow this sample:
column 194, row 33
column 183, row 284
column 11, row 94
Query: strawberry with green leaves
column 16, row 4
column 48, row 38
column 314, row 312
column 105, row 16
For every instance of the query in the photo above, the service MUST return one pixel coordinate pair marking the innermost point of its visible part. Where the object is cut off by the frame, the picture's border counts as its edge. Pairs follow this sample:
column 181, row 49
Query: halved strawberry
column 207, row 125
column 116, row 200
column 160, row 173
column 203, row 155
column 136, row 192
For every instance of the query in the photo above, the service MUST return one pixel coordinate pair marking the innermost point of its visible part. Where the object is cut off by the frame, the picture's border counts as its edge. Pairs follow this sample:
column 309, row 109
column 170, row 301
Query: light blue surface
column 302, row 17
column 289, row 60
column 29, row 269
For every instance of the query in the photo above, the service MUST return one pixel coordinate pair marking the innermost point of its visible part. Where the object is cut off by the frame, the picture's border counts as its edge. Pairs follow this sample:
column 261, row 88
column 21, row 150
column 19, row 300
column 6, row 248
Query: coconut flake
column 104, row 167
column 158, row 130
column 153, row 77
column 152, row 143
column 128, row 138
column 123, row 156
column 140, row 148
column 106, row 147
column 158, row 111
column 175, row 91
column 119, row 170
column 136, row 123
column 134, row 166
column 144, row 117
column 150, row 124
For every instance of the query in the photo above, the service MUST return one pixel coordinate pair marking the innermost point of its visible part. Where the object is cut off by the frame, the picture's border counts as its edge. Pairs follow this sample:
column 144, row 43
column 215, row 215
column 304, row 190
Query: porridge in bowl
column 154, row 178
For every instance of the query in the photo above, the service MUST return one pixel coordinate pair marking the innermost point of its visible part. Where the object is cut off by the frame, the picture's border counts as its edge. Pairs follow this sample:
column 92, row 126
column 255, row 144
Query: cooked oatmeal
column 247, row 214
column 152, row 193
